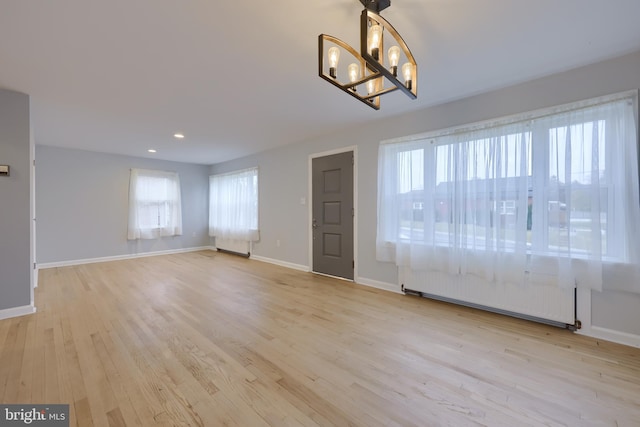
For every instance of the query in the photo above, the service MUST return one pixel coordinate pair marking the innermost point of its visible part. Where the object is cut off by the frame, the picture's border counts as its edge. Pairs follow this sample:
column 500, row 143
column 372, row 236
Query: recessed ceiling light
column 178, row 136
column 151, row 150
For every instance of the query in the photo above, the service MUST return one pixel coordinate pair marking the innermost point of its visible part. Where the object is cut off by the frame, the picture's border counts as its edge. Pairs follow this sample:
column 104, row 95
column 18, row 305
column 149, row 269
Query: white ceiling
column 238, row 77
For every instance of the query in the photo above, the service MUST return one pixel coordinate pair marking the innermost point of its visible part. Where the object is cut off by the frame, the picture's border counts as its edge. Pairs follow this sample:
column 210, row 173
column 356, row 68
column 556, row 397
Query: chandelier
column 372, row 72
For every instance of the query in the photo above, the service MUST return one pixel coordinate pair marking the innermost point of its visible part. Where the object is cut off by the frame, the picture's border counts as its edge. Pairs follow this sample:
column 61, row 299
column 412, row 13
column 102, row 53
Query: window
column 233, row 205
column 154, row 204
column 554, row 192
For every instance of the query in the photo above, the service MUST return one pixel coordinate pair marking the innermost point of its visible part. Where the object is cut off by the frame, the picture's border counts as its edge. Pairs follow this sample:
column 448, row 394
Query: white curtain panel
column 233, row 205
column 550, row 196
column 155, row 207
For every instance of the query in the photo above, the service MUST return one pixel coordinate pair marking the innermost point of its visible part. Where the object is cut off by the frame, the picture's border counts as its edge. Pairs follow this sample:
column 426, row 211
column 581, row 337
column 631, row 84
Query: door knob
column 314, row 224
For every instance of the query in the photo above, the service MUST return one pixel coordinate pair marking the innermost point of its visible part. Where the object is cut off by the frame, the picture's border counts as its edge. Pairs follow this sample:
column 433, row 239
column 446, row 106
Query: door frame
column 354, row 149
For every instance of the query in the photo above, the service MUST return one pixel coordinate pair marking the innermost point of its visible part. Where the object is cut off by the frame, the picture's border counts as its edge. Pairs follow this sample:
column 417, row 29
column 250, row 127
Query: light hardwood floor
column 208, row 339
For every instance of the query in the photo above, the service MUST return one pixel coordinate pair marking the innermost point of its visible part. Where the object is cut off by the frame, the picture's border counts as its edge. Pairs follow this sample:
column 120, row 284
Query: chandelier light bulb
column 375, row 37
column 394, row 58
column 371, row 86
column 334, row 57
column 354, row 71
column 407, row 71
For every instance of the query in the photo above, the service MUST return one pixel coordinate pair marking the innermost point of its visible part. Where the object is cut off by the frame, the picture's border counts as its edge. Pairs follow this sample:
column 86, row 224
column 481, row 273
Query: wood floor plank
column 11, row 361
column 209, row 339
column 23, row 391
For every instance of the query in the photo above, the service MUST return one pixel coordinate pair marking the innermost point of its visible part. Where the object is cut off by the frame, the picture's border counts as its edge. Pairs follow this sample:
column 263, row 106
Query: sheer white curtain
column 155, row 208
column 550, row 197
column 233, row 205
column 457, row 203
column 588, row 186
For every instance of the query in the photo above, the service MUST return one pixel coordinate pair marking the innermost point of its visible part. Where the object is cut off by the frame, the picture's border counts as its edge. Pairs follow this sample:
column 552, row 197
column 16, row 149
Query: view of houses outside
column 460, row 189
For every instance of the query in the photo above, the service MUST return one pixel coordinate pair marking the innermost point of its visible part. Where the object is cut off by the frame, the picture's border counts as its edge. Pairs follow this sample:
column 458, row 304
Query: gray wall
column 284, row 171
column 82, row 205
column 15, row 201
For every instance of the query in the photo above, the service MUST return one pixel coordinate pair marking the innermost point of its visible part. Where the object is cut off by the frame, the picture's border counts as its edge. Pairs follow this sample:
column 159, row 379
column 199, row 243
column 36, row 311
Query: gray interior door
column 332, row 221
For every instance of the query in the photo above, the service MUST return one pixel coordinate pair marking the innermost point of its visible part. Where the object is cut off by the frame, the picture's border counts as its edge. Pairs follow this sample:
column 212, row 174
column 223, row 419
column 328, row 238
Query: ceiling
column 239, row 77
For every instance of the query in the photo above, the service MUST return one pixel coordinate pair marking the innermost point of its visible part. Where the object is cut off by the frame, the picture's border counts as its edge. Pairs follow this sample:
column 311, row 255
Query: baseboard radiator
column 543, row 303
column 236, row 247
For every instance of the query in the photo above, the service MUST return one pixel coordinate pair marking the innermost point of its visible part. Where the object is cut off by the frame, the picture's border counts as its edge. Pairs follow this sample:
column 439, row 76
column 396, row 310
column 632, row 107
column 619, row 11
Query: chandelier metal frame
column 373, row 68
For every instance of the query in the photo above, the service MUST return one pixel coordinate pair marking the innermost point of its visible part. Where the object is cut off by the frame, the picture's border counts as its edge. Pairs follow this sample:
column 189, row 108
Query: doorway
column 333, row 214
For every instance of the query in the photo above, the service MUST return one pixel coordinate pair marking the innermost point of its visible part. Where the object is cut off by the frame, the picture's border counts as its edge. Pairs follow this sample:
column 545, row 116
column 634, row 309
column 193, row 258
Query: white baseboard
column 619, row 337
column 120, row 257
column 17, row 311
column 291, row 265
column 391, row 287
